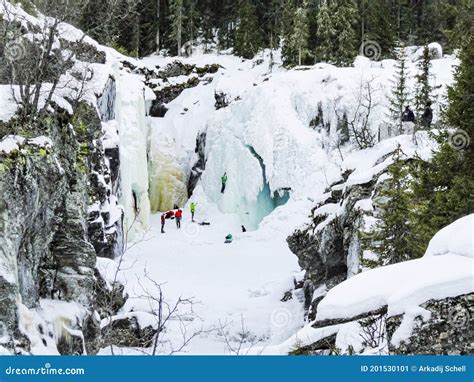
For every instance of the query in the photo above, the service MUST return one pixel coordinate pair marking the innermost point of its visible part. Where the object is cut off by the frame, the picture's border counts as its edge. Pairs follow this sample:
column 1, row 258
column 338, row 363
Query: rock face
column 158, row 79
column 127, row 332
column 48, row 247
column 448, row 330
column 200, row 164
column 329, row 249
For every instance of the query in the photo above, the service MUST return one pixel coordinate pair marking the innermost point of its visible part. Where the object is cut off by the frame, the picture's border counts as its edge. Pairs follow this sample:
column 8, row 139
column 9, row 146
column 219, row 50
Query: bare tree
column 373, row 331
column 34, row 61
column 234, row 344
column 360, row 128
column 164, row 313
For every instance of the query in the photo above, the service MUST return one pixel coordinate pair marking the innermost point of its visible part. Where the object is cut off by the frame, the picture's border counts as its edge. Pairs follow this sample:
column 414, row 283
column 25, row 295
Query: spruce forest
column 308, row 31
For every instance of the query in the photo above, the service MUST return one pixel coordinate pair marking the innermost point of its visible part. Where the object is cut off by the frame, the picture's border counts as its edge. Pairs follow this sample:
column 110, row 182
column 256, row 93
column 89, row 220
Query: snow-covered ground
column 232, row 284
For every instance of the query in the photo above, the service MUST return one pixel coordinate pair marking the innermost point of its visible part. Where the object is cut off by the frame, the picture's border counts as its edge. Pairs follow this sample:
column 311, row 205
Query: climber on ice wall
column 224, row 182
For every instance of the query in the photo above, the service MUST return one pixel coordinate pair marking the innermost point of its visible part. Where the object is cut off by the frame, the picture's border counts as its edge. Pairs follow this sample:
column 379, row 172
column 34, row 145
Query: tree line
column 307, row 30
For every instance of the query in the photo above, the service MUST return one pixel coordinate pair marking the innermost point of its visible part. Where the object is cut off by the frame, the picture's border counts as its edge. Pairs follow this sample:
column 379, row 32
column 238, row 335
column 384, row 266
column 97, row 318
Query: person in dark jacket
column 163, row 221
column 224, row 182
column 408, row 115
column 244, row 229
column 427, row 116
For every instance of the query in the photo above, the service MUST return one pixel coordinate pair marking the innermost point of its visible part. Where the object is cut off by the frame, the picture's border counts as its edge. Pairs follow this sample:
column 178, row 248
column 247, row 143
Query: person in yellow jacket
column 193, row 210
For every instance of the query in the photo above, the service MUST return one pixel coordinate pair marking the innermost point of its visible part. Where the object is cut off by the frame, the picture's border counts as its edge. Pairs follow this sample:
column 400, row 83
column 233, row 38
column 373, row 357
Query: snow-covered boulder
column 457, row 238
column 435, row 49
column 401, row 287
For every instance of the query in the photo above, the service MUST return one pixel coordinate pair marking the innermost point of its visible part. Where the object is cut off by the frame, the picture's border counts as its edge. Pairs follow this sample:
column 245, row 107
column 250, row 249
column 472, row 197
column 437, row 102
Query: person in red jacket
column 163, row 221
column 178, row 215
column 169, row 214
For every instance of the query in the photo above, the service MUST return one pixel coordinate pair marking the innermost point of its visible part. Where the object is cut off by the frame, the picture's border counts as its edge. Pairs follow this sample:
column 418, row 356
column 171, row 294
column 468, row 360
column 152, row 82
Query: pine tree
column 457, row 21
column 93, row 19
column 248, row 39
column 430, row 23
column 423, row 87
column 381, row 26
column 313, row 9
column 148, row 26
column 443, row 187
column 298, row 39
column 226, row 23
column 344, row 20
column 391, row 237
column 325, row 33
column 400, row 96
column 177, row 19
column 287, row 18
column 405, row 22
column 192, row 21
column 207, row 33
column 275, row 22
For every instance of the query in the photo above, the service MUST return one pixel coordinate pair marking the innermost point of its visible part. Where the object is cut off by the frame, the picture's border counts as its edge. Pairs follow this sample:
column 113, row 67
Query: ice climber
column 228, row 239
column 178, row 215
column 193, row 210
column 244, row 229
column 163, row 221
column 224, row 182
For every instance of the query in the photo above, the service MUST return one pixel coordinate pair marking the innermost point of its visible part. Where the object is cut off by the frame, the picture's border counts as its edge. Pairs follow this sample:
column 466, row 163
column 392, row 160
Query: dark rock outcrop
column 448, row 331
column 329, row 248
column 158, row 109
column 127, row 332
column 221, row 100
column 47, row 247
column 200, row 164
